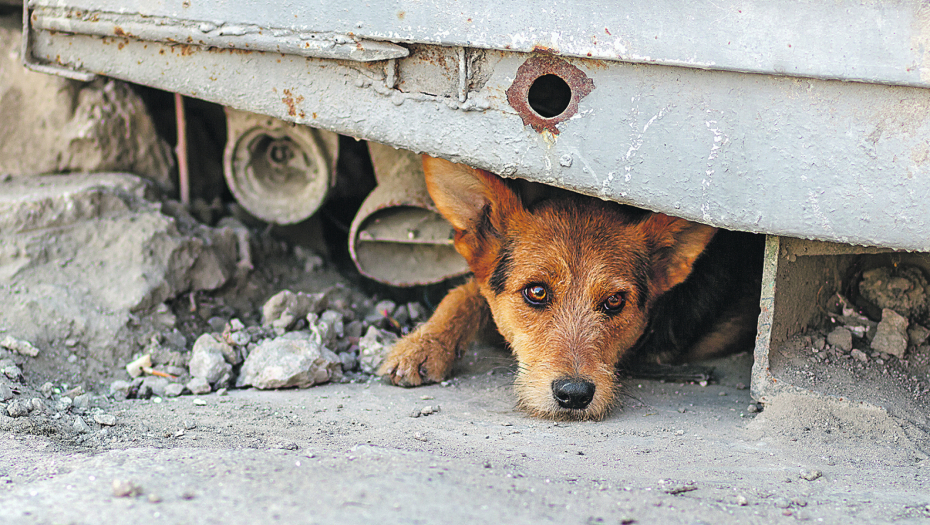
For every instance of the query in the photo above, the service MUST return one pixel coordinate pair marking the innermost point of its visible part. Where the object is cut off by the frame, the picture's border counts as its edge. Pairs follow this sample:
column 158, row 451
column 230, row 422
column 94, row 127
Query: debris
column 811, row 475
column 19, row 408
column 125, row 489
column 136, row 367
column 119, row 389
column 841, row 338
column 859, row 355
column 106, row 420
column 174, row 390
column 209, row 358
column 198, row 386
column 6, row 393
column 679, row 488
column 917, row 334
column 80, row 426
column 288, row 361
column 283, row 309
column 19, row 346
column 374, row 348
column 891, row 336
column 900, row 288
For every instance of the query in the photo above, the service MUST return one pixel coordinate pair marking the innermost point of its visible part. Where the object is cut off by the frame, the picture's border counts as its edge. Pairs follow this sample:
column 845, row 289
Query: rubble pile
column 897, row 298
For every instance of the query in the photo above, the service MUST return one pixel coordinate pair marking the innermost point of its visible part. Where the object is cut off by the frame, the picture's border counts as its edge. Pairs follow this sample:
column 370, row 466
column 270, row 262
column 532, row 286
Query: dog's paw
column 416, row 360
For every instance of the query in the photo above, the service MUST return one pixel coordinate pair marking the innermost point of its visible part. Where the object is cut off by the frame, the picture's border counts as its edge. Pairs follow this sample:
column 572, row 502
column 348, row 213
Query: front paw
column 418, row 359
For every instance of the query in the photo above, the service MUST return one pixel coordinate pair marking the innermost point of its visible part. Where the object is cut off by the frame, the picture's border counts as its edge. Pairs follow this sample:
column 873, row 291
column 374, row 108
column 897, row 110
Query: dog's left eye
column 614, row 303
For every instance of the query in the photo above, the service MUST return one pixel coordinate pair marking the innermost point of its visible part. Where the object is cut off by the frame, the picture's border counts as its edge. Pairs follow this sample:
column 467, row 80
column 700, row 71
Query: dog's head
column 570, row 281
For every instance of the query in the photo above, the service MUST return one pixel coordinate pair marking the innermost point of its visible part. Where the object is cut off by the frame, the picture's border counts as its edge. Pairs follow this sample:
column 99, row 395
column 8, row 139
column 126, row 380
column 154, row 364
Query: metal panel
column 874, row 41
column 838, row 161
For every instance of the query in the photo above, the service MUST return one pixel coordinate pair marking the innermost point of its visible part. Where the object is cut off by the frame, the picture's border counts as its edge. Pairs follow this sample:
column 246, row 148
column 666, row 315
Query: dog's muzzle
column 573, row 393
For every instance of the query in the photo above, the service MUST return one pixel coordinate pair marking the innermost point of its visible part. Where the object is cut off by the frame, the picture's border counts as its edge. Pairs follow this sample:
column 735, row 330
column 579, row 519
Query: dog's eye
column 614, row 303
column 536, row 295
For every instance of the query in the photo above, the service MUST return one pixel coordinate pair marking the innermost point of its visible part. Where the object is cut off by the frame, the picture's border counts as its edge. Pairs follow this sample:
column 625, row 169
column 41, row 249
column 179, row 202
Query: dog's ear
column 677, row 244
column 471, row 199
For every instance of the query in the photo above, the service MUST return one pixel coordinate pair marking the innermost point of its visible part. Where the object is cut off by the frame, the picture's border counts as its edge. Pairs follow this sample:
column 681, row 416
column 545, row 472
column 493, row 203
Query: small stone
column 199, row 402
column 419, row 437
column 354, row 329
column 106, row 420
column 288, row 362
column 80, row 426
column 198, row 386
column 680, row 488
column 217, row 324
column 222, row 392
column 6, row 393
column 753, row 408
column 381, row 310
column 19, row 346
column 12, row 371
column 174, row 390
column 841, row 338
column 119, row 389
column 917, row 334
column 47, row 389
column 891, row 336
column 123, row 488
column 38, row 405
column 82, row 401
column 63, row 403
column 212, row 357
column 154, row 498
column 859, row 355
column 374, row 348
column 415, row 311
column 19, row 408
column 741, row 500
column 284, row 308
column 811, row 475
column 154, row 385
column 401, row 315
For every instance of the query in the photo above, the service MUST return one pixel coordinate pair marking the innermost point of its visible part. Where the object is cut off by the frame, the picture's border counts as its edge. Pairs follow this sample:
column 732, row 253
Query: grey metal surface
column 872, row 41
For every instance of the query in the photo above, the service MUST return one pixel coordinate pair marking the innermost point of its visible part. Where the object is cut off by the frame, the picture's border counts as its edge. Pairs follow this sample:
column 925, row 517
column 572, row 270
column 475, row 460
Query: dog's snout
column 573, row 393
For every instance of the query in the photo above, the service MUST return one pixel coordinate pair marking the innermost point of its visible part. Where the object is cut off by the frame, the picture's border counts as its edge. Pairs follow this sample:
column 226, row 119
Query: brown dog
column 575, row 285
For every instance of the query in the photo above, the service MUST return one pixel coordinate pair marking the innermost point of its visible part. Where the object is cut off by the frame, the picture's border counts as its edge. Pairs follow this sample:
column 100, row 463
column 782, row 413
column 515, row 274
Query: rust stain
column 606, row 31
column 118, row 31
column 292, row 102
column 121, row 46
column 546, row 50
column 530, row 71
column 401, row 15
column 314, row 116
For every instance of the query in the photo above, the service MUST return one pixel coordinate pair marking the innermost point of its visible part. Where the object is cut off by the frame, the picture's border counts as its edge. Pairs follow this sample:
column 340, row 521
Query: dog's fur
column 577, row 286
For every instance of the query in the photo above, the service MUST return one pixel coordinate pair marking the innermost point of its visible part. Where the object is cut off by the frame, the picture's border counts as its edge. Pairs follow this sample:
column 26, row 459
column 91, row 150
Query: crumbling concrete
column 88, row 261
column 50, row 124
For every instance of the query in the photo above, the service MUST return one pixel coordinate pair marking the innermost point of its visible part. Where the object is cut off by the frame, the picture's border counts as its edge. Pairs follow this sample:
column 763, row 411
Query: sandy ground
column 352, row 453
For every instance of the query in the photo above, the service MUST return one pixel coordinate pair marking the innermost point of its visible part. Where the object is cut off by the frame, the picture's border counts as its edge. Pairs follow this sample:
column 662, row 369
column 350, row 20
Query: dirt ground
column 352, row 453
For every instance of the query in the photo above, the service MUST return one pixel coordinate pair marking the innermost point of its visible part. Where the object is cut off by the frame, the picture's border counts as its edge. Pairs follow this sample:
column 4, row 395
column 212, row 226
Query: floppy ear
column 472, row 200
column 677, row 244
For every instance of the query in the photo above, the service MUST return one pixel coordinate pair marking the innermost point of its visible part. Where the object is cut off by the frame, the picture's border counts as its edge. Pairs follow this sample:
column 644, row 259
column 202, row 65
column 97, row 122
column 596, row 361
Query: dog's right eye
column 536, row 295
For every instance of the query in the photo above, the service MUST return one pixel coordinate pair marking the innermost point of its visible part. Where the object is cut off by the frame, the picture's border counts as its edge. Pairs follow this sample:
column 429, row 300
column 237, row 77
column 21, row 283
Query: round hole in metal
column 549, row 96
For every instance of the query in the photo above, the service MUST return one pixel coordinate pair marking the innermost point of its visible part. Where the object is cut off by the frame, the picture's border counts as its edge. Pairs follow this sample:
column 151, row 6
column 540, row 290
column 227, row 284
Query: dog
column 578, row 286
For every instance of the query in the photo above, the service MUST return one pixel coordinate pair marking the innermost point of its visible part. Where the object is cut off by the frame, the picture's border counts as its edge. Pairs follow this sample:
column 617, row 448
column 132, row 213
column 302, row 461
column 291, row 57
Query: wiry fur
column 583, row 252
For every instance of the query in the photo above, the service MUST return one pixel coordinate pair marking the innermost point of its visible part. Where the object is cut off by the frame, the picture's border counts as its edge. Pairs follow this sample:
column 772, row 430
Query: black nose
column 573, row 393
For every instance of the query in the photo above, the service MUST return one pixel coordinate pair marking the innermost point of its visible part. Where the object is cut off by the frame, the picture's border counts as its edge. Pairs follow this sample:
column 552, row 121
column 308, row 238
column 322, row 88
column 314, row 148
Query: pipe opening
column 549, row 96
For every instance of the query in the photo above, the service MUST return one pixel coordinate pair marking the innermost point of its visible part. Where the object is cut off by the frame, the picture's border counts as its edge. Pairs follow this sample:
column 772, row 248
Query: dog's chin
column 535, row 398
